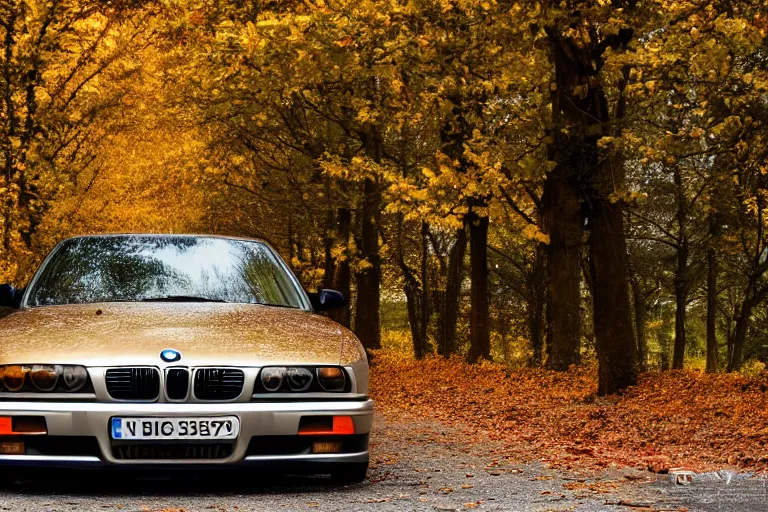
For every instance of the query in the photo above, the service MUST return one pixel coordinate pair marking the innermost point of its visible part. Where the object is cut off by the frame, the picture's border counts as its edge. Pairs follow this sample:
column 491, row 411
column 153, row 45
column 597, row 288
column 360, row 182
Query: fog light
column 326, row 447
column 16, row 448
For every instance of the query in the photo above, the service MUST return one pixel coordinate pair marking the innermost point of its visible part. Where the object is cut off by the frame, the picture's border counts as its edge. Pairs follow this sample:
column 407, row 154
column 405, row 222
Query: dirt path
column 416, row 465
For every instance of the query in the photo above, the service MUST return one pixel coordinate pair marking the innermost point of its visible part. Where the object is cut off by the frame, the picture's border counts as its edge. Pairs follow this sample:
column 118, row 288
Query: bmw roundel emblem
column 170, row 356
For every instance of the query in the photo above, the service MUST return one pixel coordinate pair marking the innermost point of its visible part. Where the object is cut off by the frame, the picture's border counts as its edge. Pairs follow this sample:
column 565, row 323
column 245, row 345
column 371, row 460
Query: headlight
column 42, row 378
column 13, row 377
column 272, row 378
column 74, row 377
column 331, row 378
column 297, row 379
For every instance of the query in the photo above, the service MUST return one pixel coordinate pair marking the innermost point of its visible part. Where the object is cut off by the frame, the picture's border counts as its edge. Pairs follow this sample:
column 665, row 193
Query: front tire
column 350, row 473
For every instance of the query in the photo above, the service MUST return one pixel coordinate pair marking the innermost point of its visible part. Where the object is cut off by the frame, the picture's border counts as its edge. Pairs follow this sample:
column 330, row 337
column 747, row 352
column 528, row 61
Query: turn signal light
column 22, row 425
column 343, row 425
column 326, row 425
column 331, row 378
column 6, row 426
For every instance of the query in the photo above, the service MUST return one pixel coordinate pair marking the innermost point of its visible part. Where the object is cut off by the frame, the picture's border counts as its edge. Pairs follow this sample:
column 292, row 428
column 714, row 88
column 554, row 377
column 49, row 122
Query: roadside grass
column 670, row 419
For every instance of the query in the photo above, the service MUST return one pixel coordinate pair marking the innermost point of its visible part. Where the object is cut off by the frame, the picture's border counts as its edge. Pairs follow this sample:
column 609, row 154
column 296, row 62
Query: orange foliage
column 670, row 419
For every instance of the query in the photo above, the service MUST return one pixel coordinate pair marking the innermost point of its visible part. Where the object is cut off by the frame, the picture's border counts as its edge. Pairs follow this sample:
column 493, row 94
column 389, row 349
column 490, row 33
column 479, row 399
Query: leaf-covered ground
column 671, row 419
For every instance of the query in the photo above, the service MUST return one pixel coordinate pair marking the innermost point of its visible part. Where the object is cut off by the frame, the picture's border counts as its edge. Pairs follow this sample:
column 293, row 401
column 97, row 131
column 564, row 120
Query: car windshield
column 138, row 268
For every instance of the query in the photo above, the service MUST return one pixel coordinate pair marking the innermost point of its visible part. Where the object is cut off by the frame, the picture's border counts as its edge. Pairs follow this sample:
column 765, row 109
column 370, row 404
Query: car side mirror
column 323, row 300
column 8, row 296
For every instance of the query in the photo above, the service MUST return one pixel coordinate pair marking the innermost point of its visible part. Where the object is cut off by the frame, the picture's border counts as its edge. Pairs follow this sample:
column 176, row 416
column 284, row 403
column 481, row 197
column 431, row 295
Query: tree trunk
column 751, row 299
column 538, row 291
column 681, row 301
column 503, row 330
column 681, row 273
column 480, row 333
column 664, row 346
column 416, row 291
column 425, row 306
column 614, row 336
column 711, row 311
column 612, row 312
column 11, row 122
column 731, row 333
column 740, row 336
column 291, row 245
column 413, row 302
column 367, row 323
column 562, row 222
column 343, row 276
column 329, row 265
column 449, row 313
column 581, row 118
column 640, row 315
column 438, row 302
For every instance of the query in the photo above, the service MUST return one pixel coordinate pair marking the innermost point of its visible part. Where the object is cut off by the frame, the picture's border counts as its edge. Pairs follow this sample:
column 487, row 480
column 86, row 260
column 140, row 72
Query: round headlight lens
column 272, row 378
column 331, row 378
column 74, row 377
column 44, row 377
column 299, row 379
column 13, row 377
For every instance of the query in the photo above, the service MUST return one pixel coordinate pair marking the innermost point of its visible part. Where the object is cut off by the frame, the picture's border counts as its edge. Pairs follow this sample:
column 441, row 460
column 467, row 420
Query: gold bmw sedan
column 154, row 350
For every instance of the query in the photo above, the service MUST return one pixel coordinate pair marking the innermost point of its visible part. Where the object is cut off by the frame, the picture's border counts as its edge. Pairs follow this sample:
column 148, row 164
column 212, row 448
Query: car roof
column 167, row 235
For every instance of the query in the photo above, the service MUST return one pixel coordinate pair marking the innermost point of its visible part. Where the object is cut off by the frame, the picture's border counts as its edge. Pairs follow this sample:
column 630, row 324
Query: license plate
column 224, row 427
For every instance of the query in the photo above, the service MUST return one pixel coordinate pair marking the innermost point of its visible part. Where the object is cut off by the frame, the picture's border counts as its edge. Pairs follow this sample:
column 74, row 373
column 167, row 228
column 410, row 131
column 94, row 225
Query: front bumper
column 268, row 421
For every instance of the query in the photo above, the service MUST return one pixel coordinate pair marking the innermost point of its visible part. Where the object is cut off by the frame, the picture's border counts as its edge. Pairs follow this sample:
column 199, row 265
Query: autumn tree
column 541, row 159
column 583, row 127
column 467, row 74
column 60, row 72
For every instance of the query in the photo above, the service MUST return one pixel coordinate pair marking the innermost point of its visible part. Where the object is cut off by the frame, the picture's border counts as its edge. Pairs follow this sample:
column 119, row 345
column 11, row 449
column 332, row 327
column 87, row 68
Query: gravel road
column 415, row 466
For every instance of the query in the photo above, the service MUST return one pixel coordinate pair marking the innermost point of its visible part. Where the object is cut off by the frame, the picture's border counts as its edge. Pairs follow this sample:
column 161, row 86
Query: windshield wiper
column 182, row 298
column 286, row 306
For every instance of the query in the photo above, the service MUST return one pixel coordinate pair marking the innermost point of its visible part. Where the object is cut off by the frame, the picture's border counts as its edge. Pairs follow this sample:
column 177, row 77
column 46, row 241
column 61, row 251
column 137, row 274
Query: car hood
column 109, row 334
